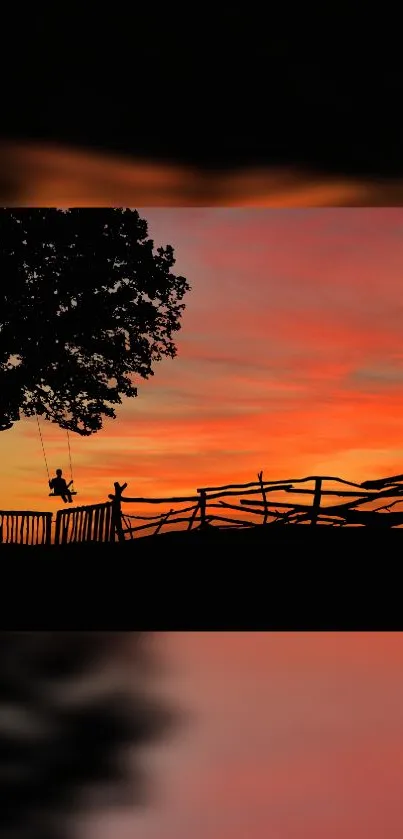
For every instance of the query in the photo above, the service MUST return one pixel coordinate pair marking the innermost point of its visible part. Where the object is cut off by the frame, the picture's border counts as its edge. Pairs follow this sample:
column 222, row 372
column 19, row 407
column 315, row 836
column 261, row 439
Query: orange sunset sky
column 290, row 360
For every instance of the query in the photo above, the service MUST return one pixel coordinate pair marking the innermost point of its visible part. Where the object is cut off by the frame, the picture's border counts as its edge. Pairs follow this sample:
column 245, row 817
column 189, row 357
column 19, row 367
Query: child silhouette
column 59, row 487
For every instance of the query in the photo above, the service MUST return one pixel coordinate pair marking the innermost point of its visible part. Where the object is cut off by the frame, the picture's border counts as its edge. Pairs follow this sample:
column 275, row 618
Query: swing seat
column 53, row 494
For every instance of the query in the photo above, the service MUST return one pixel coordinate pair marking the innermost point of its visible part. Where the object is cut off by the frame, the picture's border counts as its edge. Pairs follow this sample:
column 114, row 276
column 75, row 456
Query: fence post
column 202, row 505
column 117, row 511
column 163, row 520
column 193, row 516
column 316, row 500
column 266, row 509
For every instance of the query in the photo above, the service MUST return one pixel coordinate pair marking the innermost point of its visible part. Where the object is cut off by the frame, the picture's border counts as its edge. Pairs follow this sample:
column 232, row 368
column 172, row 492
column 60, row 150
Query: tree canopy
column 87, row 305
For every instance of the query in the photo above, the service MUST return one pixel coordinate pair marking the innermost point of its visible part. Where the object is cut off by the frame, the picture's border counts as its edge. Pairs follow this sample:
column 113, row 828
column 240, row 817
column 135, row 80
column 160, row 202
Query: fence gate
column 83, row 524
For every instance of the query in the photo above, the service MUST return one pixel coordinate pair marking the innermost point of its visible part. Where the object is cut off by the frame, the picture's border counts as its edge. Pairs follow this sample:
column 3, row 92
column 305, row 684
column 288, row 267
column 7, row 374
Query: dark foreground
column 294, row 540
column 286, row 578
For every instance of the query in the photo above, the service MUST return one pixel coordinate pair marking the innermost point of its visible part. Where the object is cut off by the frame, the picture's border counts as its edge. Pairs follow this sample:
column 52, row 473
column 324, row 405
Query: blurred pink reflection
column 293, row 735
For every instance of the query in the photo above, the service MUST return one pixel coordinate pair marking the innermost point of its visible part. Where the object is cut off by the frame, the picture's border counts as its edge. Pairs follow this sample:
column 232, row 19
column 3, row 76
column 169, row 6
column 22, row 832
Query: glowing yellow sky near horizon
column 290, row 360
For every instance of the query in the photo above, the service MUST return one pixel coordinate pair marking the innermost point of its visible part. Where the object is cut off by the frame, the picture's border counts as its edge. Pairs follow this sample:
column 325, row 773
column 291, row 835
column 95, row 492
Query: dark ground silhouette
column 297, row 543
column 301, row 578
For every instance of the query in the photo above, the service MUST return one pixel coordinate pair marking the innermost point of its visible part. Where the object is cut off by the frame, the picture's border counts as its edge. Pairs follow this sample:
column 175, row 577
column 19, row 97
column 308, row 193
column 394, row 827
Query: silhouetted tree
column 86, row 304
column 73, row 721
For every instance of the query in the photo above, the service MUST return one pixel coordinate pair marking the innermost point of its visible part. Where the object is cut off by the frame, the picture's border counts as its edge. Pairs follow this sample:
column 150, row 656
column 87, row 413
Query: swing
column 54, row 494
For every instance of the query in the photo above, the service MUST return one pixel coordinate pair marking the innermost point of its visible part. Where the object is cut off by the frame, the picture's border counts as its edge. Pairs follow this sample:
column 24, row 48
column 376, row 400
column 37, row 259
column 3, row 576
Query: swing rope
column 71, row 466
column 43, row 447
column 44, row 453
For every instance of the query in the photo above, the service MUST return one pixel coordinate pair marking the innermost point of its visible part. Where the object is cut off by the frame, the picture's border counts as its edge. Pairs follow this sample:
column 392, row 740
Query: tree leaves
column 86, row 305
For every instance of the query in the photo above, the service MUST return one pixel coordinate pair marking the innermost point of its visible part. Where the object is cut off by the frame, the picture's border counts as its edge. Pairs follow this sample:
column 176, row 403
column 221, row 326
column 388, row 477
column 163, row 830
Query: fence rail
column 107, row 522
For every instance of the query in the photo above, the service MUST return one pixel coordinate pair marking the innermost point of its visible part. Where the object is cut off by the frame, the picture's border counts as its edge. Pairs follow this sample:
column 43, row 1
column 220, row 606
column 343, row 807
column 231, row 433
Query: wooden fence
column 93, row 523
column 207, row 506
column 25, row 527
column 369, row 504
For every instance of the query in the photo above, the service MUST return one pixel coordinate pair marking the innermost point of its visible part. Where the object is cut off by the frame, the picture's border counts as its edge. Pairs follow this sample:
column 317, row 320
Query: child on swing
column 59, row 487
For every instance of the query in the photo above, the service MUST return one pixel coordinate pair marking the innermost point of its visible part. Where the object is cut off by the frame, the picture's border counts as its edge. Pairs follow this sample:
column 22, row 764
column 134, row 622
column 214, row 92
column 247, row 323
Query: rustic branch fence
column 201, row 513
column 107, row 522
